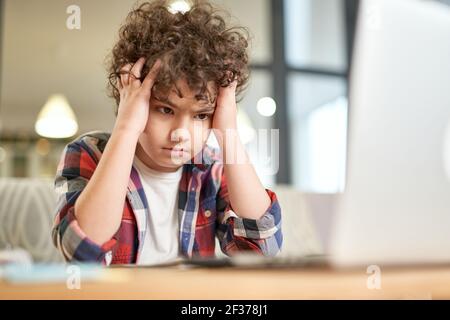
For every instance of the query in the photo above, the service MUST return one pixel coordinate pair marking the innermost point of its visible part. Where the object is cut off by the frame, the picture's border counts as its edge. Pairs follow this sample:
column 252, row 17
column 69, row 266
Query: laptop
column 396, row 206
column 395, row 209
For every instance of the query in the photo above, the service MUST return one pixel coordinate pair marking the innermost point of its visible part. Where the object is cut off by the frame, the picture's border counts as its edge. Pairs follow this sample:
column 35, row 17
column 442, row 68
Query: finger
column 233, row 86
column 151, row 76
column 121, row 90
column 227, row 95
column 135, row 73
column 119, row 83
column 137, row 67
column 228, row 92
column 124, row 76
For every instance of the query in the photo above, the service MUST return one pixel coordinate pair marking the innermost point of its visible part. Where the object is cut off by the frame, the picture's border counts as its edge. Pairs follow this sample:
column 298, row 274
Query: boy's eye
column 165, row 110
column 202, row 117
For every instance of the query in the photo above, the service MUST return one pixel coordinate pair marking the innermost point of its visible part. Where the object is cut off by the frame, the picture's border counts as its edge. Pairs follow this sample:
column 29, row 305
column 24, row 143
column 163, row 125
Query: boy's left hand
column 225, row 115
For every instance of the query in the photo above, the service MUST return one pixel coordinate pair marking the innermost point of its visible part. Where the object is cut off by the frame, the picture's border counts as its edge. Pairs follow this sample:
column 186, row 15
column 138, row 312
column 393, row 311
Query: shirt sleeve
column 74, row 171
column 235, row 234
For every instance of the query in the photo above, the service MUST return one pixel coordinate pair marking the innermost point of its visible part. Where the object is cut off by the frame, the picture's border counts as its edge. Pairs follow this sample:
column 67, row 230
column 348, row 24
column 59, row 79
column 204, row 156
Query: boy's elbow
column 58, row 243
column 73, row 245
column 273, row 244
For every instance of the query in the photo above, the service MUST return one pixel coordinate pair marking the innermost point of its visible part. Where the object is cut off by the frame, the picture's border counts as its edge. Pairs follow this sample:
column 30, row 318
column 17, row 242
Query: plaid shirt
column 204, row 211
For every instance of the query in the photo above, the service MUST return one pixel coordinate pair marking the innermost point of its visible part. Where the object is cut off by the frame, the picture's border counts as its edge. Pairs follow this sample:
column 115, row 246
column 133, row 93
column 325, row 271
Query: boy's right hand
column 133, row 112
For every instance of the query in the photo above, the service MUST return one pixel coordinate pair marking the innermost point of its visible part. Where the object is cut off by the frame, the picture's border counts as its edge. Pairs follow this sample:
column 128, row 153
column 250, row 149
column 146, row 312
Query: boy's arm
column 237, row 234
column 249, row 215
column 247, row 195
column 99, row 207
column 92, row 195
column 78, row 163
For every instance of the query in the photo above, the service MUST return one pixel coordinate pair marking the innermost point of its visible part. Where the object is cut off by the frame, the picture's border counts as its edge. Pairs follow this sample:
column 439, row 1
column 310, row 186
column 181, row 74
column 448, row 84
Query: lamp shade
column 56, row 119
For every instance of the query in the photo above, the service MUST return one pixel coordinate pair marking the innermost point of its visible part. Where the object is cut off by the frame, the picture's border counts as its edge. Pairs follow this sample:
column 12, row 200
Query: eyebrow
column 167, row 101
column 170, row 103
column 206, row 109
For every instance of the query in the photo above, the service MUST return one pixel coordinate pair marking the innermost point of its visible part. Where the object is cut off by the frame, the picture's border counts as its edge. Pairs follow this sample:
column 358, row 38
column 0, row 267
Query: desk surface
column 228, row 283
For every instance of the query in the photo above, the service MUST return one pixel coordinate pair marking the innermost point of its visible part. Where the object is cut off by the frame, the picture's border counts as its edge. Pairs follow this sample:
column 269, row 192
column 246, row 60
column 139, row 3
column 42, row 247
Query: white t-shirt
column 161, row 242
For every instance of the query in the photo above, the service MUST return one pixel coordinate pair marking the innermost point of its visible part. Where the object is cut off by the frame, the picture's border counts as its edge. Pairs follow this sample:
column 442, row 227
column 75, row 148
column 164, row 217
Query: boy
column 139, row 195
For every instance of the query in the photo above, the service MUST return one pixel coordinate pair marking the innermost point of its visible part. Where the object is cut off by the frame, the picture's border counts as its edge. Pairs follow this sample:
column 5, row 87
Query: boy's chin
column 167, row 166
column 174, row 163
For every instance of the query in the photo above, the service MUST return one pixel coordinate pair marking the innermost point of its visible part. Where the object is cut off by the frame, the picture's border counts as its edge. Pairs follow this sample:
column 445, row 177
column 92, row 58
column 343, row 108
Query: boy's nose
column 180, row 135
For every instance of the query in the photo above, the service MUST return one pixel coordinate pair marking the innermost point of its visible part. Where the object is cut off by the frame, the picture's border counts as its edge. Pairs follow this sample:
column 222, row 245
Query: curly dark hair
column 197, row 45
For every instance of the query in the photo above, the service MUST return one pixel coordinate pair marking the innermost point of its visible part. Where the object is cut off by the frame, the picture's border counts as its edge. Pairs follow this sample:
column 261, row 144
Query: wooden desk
column 202, row 283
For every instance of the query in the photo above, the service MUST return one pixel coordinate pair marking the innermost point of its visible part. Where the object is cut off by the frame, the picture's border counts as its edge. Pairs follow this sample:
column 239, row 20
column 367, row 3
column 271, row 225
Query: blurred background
column 53, row 88
column 299, row 59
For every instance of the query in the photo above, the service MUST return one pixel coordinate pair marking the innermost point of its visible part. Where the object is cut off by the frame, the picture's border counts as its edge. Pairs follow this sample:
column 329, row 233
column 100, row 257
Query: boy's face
column 176, row 122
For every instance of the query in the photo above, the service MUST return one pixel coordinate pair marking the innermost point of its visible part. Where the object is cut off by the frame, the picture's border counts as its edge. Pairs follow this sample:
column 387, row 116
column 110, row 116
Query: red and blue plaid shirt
column 204, row 211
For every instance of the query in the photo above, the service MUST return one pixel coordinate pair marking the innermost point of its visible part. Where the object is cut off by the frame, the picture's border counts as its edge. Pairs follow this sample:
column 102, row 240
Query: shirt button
column 208, row 213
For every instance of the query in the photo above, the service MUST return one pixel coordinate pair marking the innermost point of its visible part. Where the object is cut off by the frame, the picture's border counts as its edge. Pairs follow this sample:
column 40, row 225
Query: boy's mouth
column 176, row 151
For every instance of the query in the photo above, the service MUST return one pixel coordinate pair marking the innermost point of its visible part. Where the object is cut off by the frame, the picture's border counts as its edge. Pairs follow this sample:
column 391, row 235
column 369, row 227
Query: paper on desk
column 16, row 255
column 54, row 273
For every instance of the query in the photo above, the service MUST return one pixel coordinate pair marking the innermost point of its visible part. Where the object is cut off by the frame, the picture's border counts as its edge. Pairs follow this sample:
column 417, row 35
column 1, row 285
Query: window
column 316, row 81
column 318, row 116
column 315, row 35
